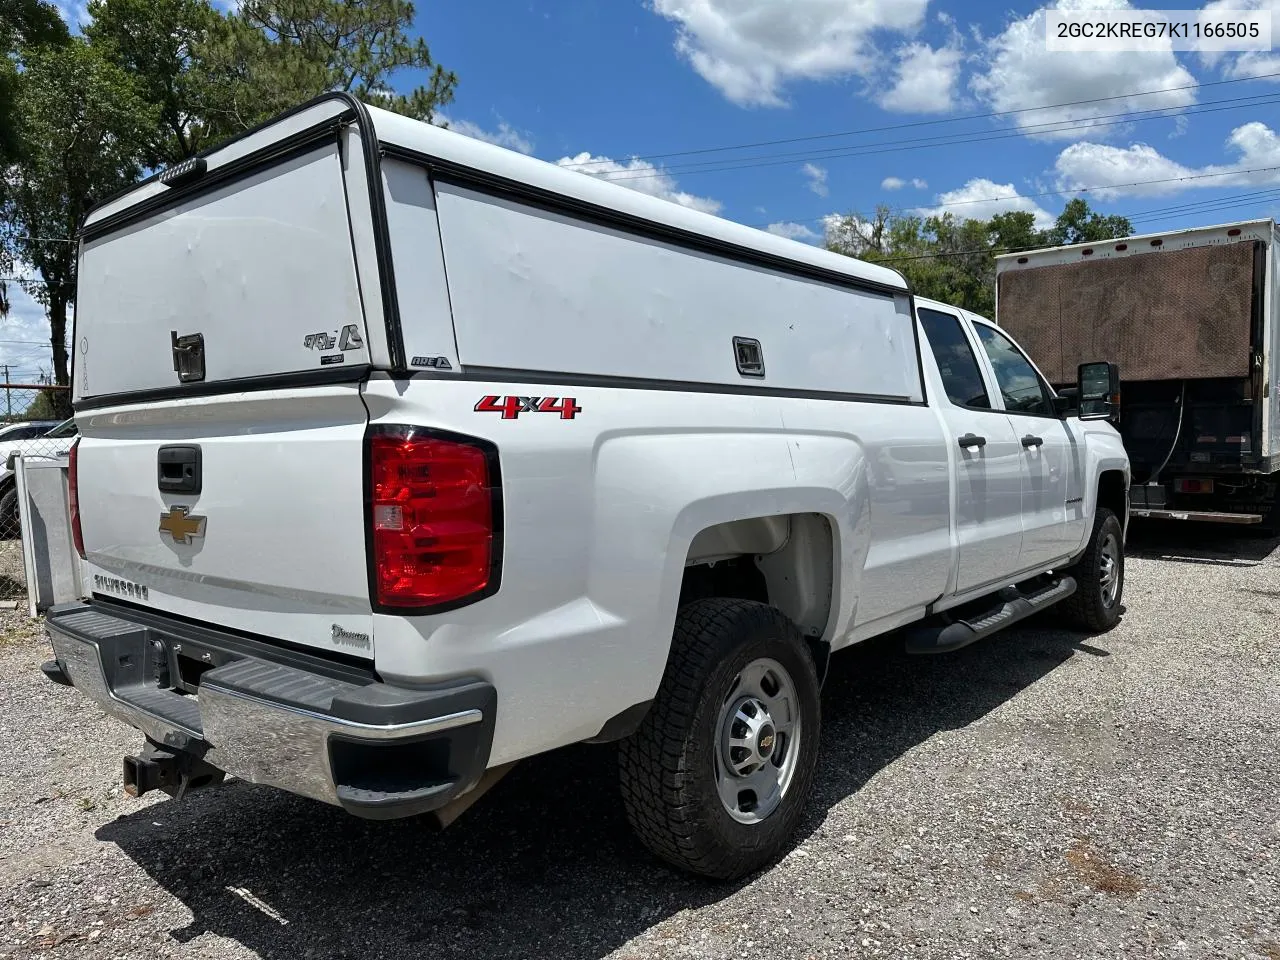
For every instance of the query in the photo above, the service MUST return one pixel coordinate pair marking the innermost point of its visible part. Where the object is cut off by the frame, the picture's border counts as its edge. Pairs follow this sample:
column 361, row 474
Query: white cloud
column 817, row 177
column 1095, row 164
column 750, row 49
column 1253, row 63
column 924, row 80
column 793, row 231
column 1022, row 74
column 75, row 12
column 639, row 175
column 897, row 183
column 981, row 199
column 505, row 136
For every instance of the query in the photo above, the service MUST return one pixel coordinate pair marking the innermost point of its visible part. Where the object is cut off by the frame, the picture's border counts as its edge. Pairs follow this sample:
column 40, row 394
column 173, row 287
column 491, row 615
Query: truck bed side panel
column 599, row 513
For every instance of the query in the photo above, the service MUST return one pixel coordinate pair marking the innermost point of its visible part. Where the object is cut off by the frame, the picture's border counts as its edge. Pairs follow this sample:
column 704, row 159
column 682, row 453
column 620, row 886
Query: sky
column 894, row 96
column 922, row 105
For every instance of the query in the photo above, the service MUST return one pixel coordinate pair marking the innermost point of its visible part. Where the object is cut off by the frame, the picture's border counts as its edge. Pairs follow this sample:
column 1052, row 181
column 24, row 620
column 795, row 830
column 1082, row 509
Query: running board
column 1016, row 605
column 1205, row 516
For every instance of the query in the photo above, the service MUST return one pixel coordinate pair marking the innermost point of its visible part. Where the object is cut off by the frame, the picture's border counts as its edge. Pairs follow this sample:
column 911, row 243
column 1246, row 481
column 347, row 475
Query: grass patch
column 17, row 629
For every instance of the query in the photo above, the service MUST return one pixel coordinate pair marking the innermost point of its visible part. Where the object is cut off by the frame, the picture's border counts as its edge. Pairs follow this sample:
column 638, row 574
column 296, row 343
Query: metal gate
column 35, row 424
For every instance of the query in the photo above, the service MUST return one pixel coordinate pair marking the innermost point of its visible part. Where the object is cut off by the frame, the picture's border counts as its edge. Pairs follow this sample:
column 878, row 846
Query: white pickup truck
column 404, row 457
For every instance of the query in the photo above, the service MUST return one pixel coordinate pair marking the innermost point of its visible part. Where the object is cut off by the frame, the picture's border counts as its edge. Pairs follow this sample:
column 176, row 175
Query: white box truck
column 1190, row 317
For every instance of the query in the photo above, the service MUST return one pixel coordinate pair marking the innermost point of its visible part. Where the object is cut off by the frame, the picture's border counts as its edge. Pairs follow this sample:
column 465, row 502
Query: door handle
column 1029, row 441
column 972, row 440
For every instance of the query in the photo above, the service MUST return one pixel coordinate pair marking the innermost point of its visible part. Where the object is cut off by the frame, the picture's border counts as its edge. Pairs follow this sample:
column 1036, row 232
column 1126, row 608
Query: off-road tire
column 1087, row 608
column 667, row 767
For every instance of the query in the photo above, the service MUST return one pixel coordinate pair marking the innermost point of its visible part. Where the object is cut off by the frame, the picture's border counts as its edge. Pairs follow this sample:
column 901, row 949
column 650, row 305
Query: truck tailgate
column 274, row 542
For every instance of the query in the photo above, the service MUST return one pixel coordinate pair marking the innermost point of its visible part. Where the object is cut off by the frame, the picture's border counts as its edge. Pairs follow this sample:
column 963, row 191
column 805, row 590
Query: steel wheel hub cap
column 758, row 738
column 752, row 737
column 1109, row 572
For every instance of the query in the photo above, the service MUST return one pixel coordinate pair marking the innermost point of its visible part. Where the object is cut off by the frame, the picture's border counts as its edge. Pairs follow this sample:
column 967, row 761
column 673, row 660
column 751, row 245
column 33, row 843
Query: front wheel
column 716, row 778
column 1095, row 606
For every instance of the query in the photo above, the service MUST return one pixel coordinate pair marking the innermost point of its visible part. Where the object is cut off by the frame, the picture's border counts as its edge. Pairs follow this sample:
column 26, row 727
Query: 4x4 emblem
column 180, row 525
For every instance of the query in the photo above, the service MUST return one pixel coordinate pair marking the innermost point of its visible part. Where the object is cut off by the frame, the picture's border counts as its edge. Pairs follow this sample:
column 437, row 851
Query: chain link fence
column 34, row 423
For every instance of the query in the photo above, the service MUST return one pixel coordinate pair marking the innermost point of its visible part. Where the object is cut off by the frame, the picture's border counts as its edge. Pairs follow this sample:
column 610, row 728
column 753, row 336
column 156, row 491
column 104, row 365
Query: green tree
column 23, row 24
column 1014, row 231
column 1079, row 224
column 943, row 258
column 953, row 260
column 80, row 126
column 274, row 54
column 163, row 45
column 48, row 405
column 212, row 76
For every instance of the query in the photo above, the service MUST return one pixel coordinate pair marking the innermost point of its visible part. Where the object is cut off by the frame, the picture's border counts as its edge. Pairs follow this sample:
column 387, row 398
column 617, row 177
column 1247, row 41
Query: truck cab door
column 988, row 457
column 1053, row 510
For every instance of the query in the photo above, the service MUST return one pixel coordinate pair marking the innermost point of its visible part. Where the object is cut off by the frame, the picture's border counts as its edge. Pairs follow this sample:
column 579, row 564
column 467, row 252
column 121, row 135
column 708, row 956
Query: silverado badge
column 178, row 524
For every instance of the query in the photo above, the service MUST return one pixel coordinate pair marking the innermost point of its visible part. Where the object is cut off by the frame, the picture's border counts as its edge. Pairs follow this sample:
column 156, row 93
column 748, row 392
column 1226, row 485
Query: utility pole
column 8, row 396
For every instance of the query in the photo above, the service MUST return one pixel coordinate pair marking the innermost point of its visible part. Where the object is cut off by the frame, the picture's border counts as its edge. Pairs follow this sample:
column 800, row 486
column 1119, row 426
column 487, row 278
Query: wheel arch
column 1113, row 493
column 789, row 561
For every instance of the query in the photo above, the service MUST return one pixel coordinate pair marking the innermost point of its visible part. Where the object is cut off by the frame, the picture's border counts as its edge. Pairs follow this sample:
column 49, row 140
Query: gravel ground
column 13, row 576
column 1038, row 794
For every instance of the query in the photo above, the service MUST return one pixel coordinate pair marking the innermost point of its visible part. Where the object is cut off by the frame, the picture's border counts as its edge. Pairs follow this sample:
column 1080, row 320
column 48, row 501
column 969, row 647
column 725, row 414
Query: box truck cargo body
column 1190, row 318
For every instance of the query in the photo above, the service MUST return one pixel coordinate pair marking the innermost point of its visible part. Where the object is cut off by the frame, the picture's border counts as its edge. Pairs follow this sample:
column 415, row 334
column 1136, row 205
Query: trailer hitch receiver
column 175, row 772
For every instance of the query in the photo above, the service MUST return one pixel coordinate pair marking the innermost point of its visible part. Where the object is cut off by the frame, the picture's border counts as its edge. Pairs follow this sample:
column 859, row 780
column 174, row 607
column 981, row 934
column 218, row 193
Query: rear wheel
column 1096, row 604
column 716, row 779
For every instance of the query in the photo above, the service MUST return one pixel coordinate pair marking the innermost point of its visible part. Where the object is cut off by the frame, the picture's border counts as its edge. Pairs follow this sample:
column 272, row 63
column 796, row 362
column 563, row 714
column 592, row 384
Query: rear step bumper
column 376, row 750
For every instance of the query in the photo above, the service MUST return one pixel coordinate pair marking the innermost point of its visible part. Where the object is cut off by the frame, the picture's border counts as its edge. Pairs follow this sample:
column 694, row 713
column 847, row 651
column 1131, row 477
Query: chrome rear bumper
column 376, row 750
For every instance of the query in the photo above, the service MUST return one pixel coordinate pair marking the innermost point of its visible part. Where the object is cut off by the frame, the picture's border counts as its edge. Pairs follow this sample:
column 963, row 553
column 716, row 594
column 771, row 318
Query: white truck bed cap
column 453, row 148
column 447, row 149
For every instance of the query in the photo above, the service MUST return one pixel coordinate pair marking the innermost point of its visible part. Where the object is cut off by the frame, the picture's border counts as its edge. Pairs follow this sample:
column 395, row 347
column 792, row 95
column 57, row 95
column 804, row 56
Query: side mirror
column 1098, row 386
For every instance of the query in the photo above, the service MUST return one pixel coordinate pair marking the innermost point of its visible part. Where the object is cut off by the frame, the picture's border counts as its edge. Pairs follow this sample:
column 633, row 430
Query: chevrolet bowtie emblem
column 178, row 524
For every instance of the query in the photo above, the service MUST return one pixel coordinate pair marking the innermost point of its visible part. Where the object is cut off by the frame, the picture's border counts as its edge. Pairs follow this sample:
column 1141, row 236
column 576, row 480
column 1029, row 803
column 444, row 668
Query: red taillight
column 73, row 497
column 1192, row 485
column 435, row 518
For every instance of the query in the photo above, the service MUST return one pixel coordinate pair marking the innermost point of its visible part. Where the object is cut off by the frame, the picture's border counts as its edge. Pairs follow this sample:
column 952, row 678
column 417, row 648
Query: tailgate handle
column 178, row 469
column 188, row 356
